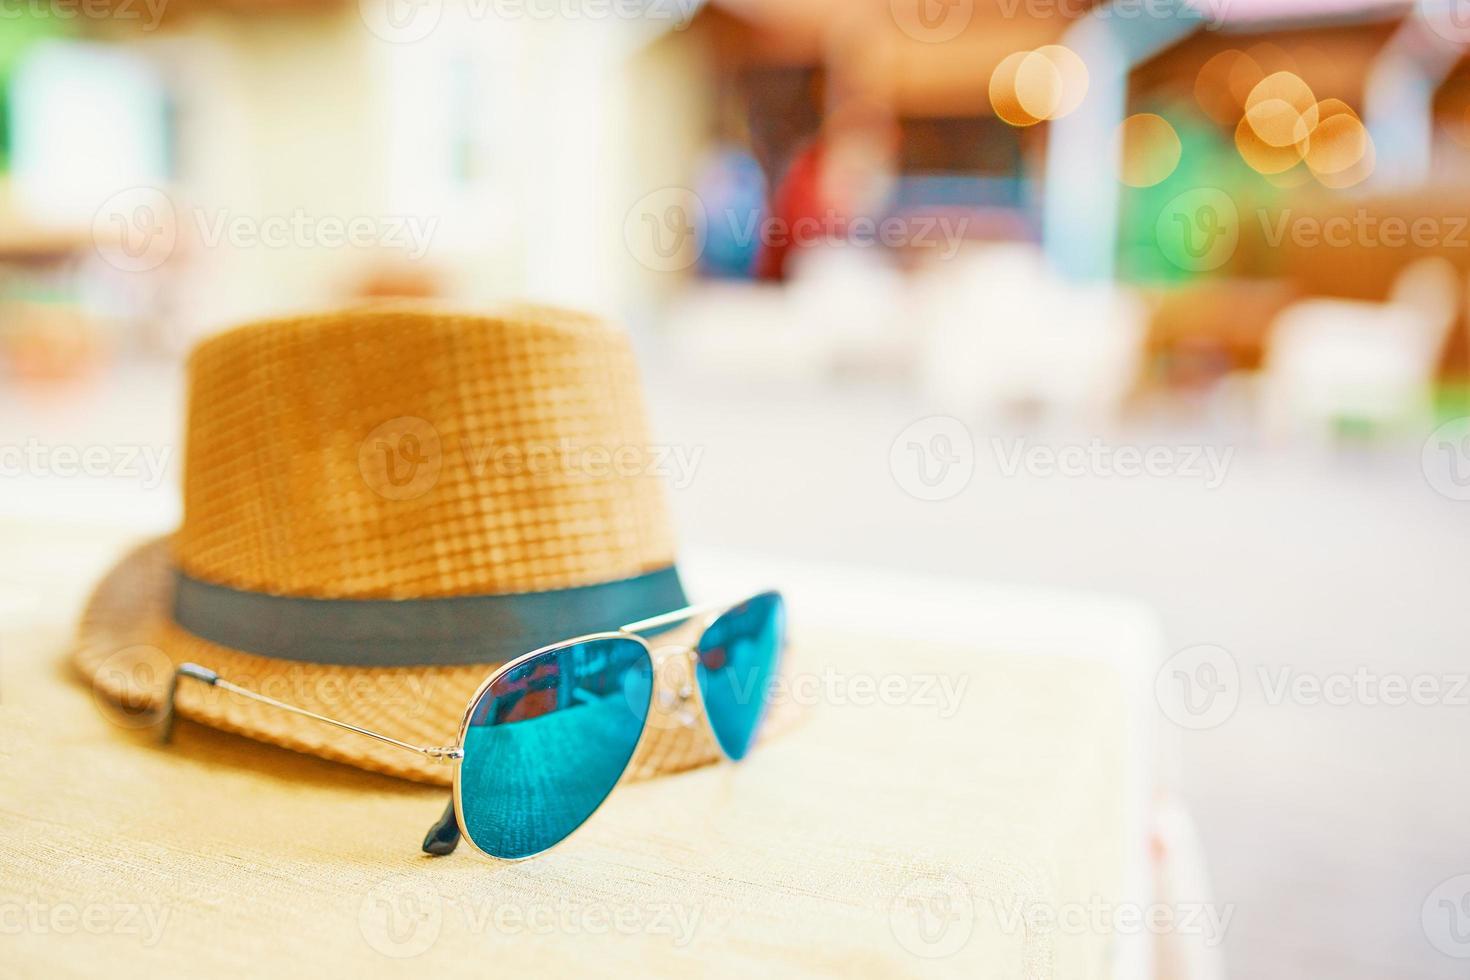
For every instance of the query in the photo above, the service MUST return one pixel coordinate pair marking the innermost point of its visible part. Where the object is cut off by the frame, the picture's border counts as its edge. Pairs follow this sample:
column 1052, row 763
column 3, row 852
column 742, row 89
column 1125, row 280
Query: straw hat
column 393, row 453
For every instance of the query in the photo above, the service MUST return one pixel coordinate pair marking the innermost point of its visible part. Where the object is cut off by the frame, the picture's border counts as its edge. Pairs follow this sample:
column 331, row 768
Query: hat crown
column 399, row 452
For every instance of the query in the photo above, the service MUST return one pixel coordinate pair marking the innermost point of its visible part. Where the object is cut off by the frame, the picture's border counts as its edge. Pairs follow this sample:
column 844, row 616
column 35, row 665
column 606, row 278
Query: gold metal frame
column 707, row 613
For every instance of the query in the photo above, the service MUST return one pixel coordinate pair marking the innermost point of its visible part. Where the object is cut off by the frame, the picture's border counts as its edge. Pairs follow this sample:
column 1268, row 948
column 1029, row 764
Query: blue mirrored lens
column 738, row 659
column 548, row 741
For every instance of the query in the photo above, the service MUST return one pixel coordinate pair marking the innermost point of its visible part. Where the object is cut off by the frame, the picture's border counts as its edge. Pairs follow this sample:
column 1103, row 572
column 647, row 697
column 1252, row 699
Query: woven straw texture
column 392, row 452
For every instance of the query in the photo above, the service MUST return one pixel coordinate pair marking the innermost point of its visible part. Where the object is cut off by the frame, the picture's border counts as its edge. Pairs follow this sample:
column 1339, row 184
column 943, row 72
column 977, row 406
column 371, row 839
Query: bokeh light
column 1214, row 91
column 1328, row 108
column 1354, row 174
column 1028, row 87
column 1339, row 142
column 1282, row 109
column 1075, row 80
column 1273, row 58
column 1454, row 110
column 1261, row 156
column 1244, row 75
column 1282, row 131
column 1150, row 149
column 1004, row 98
column 1038, row 86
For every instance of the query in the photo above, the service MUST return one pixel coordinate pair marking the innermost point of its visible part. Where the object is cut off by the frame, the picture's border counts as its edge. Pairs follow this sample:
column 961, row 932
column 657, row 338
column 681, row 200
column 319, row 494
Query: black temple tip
column 198, row 673
column 194, row 671
column 443, row 837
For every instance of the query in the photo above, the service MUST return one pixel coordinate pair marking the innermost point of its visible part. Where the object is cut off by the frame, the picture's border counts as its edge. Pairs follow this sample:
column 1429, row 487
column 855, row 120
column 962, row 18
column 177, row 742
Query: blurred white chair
column 742, row 330
column 850, row 300
column 1334, row 360
column 1005, row 333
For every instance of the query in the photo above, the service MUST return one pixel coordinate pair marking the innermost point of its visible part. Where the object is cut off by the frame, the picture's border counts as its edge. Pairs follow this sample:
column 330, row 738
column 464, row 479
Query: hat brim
column 128, row 647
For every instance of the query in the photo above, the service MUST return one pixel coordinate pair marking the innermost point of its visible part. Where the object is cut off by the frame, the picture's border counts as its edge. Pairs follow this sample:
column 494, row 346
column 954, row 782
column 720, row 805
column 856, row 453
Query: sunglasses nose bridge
column 673, row 667
column 672, row 652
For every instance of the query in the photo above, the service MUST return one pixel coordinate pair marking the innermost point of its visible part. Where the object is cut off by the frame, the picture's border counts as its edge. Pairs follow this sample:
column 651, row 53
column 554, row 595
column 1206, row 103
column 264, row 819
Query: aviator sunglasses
column 549, row 734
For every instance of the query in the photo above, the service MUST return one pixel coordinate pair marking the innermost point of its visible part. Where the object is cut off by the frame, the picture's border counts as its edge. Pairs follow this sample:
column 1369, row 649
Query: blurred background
column 1159, row 298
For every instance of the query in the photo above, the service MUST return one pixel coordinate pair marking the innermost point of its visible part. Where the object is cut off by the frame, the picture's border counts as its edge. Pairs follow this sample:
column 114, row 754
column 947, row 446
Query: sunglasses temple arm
column 670, row 618
column 206, row 676
column 443, row 837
